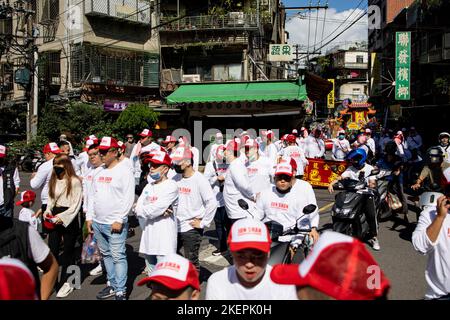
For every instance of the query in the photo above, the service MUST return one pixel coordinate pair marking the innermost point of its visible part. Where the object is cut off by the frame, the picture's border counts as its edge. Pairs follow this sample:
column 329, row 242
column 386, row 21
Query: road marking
column 325, row 208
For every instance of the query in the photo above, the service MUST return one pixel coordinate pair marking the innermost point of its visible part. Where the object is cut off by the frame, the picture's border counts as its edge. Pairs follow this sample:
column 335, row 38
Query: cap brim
column 168, row 282
column 158, row 162
column 19, row 203
column 56, row 151
column 261, row 246
column 290, row 174
column 286, row 274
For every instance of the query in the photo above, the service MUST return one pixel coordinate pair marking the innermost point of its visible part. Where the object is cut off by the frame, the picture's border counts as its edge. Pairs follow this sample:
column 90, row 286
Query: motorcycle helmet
column 435, row 155
column 443, row 135
column 357, row 157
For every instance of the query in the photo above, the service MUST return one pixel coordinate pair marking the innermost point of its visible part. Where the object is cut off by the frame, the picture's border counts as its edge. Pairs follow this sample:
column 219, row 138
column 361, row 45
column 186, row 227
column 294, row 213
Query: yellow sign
column 331, row 96
column 353, row 126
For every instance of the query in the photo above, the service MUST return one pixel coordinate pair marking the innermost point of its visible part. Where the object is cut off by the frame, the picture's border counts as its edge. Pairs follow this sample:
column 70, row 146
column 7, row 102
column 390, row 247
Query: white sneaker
column 375, row 244
column 65, row 290
column 98, row 270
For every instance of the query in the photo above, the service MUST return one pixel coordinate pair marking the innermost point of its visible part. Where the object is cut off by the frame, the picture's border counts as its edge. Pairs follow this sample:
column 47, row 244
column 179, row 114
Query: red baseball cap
column 48, row 224
column 249, row 234
column 17, row 281
column 289, row 160
column 146, row 133
column 121, row 145
column 160, row 157
column 291, row 138
column 174, row 272
column 26, row 196
column 181, row 153
column 2, row 151
column 338, row 266
column 91, row 137
column 270, row 134
column 170, row 139
column 108, row 143
column 51, row 147
column 284, row 168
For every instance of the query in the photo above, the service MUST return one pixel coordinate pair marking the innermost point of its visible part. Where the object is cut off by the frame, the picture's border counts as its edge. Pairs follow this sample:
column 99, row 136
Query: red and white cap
column 121, row 145
column 160, row 157
column 341, row 131
column 181, row 153
column 291, row 138
column 249, row 234
column 108, row 143
column 368, row 130
column 284, row 168
column 284, row 137
column 302, row 129
column 244, row 139
column 251, row 143
column 233, row 145
column 2, row 151
column 26, row 196
column 17, row 281
column 146, row 133
column 91, row 142
column 92, row 137
column 51, row 147
column 294, row 131
column 270, row 135
column 289, row 160
column 338, row 266
column 170, row 139
column 174, row 272
column 220, row 152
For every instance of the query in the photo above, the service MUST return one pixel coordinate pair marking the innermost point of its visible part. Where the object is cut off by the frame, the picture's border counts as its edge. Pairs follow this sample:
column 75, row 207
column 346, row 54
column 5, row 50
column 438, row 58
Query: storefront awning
column 238, row 92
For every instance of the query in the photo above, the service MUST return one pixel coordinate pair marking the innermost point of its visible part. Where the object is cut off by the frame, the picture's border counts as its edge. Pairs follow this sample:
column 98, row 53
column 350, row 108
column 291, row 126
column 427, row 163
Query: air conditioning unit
column 236, row 18
column 191, row 78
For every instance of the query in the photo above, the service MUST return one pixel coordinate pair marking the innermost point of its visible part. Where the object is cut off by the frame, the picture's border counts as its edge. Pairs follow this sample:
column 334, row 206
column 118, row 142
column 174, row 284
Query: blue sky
column 340, row 5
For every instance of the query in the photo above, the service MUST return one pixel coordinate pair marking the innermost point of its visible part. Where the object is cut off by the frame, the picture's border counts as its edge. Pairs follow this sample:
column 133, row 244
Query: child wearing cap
column 249, row 277
column 174, row 278
column 27, row 199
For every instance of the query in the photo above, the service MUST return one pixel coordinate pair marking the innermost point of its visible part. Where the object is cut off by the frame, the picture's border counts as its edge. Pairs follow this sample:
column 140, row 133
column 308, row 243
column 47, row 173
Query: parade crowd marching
column 161, row 185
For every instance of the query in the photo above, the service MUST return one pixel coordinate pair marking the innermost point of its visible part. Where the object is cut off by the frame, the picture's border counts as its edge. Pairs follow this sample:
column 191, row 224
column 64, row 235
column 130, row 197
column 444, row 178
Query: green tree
column 135, row 118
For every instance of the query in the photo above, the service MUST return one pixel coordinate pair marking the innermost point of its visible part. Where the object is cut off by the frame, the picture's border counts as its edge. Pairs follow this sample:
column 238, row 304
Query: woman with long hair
column 64, row 201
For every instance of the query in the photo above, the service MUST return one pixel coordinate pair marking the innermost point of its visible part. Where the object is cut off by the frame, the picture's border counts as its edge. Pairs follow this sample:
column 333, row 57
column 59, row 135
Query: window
column 359, row 59
column 6, row 78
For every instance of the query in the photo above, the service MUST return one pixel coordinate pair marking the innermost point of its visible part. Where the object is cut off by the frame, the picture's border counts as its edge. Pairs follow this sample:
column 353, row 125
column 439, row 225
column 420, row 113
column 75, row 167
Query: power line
column 324, row 20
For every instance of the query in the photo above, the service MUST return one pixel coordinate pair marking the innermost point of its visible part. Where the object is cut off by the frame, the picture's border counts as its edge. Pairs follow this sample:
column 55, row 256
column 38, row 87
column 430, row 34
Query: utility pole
column 33, row 92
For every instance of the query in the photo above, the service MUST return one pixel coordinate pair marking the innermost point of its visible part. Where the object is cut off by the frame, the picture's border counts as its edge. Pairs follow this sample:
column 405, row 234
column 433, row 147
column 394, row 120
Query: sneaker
column 375, row 244
column 106, row 293
column 40, row 270
column 217, row 253
column 120, row 296
column 98, row 270
column 65, row 290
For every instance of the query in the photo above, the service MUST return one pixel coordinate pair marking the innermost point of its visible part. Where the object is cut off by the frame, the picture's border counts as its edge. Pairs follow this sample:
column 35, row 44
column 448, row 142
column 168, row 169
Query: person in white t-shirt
column 370, row 142
column 314, row 145
column 27, row 199
column 197, row 204
column 145, row 144
column 259, row 168
column 270, row 148
column 155, row 211
column 432, row 237
column 295, row 152
column 341, row 147
column 249, row 277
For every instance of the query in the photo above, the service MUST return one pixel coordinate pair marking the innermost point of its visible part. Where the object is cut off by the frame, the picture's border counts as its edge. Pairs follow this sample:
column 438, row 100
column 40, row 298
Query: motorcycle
column 280, row 251
column 348, row 210
column 31, row 160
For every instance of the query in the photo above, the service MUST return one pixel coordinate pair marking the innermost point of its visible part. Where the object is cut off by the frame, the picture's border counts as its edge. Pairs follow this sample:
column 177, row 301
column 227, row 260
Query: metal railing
column 238, row 21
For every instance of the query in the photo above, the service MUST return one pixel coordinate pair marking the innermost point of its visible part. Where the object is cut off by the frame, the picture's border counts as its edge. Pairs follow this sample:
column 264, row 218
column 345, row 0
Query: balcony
column 232, row 21
column 432, row 56
column 125, row 10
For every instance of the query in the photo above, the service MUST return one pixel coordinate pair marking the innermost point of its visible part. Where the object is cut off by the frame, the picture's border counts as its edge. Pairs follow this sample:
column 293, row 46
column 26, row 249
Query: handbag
column 394, row 201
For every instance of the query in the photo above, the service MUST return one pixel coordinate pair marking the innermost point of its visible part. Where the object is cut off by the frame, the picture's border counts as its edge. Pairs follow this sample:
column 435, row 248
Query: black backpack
column 14, row 243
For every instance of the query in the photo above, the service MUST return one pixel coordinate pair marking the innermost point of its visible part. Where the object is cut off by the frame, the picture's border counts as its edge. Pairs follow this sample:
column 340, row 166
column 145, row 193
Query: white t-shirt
column 88, row 177
column 195, row 200
column 314, row 147
column 195, row 157
column 210, row 174
column 225, row 285
column 438, row 262
column 260, row 173
column 305, row 192
column 39, row 250
column 159, row 233
column 353, row 173
column 446, row 151
column 42, row 178
column 298, row 155
column 27, row 215
column 340, row 149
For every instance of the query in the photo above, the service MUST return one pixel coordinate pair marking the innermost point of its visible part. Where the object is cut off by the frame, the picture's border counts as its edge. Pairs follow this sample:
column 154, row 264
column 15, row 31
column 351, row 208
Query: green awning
column 238, row 91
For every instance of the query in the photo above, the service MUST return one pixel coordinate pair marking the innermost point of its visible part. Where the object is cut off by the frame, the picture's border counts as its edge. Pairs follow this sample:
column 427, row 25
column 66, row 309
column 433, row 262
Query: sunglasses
column 284, row 177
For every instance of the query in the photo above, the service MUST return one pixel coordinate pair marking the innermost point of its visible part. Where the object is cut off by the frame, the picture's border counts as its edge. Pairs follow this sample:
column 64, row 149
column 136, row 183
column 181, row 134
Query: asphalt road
column 402, row 265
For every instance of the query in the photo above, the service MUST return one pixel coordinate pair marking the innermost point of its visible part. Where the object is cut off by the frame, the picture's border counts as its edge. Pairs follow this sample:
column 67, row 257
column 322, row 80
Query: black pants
column 69, row 234
column 191, row 241
column 221, row 222
column 230, row 222
column 371, row 215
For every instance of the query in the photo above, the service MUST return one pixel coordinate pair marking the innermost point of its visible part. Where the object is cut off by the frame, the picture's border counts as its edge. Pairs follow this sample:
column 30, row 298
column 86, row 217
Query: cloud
column 298, row 28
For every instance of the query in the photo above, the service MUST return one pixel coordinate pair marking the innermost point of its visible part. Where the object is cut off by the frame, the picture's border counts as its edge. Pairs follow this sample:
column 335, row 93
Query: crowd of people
column 161, row 184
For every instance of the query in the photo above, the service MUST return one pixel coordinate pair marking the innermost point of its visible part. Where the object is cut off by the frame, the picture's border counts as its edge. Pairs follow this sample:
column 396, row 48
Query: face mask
column 341, row 137
column 155, row 176
column 177, row 168
column 58, row 170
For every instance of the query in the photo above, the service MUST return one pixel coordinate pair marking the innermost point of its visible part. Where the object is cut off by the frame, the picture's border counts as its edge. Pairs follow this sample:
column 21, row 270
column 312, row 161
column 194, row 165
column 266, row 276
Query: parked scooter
column 348, row 210
column 280, row 251
column 31, row 160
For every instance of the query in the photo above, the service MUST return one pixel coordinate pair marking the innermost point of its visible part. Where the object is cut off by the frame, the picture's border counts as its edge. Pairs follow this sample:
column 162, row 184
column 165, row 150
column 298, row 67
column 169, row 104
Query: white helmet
column 429, row 199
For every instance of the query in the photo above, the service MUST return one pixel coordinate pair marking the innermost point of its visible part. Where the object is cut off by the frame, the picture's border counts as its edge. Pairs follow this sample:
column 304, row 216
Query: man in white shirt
column 370, row 142
column 218, row 141
column 196, row 204
column 9, row 184
column 249, row 277
column 295, row 152
column 432, row 237
column 145, row 144
column 259, row 168
column 237, row 186
column 314, row 145
column 41, row 178
column 444, row 144
column 107, row 216
column 341, row 147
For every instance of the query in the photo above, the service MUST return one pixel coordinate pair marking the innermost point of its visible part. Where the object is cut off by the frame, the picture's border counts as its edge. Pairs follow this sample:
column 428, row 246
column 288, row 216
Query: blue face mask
column 156, row 176
column 341, row 137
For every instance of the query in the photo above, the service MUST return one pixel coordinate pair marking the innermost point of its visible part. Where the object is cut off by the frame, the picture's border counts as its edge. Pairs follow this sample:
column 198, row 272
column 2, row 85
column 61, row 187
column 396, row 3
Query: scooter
column 348, row 210
column 280, row 250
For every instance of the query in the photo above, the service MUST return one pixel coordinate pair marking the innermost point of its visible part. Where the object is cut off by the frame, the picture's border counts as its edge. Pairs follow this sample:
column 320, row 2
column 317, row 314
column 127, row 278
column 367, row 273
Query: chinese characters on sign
column 403, row 66
column 281, row 52
column 331, row 96
column 319, row 172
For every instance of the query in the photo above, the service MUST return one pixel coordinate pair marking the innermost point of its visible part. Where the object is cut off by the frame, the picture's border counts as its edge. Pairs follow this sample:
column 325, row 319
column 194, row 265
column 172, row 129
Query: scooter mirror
column 310, row 208
column 243, row 204
column 374, row 172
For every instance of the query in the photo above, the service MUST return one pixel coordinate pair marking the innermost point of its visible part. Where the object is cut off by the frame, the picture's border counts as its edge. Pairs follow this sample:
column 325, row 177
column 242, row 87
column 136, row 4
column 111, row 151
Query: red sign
column 318, row 172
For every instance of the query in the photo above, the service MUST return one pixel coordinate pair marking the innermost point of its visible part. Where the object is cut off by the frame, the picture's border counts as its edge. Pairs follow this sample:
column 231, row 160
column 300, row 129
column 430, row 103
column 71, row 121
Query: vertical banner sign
column 331, row 96
column 402, row 66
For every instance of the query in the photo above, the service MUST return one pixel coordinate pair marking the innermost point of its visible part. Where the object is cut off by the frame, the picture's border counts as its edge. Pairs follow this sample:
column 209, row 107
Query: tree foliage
column 134, row 118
